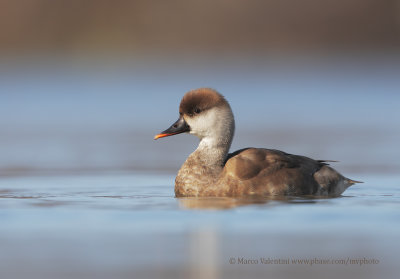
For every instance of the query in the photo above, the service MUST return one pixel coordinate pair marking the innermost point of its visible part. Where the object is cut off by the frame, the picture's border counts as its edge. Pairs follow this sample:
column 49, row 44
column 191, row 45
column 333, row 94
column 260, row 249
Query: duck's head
column 205, row 113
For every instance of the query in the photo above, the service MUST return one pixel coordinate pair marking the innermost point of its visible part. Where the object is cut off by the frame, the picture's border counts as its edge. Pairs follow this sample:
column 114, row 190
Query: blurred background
column 85, row 85
column 209, row 27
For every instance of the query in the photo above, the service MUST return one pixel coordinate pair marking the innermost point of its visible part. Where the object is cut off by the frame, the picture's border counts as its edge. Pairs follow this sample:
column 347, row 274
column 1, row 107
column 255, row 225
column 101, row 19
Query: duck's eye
column 197, row 111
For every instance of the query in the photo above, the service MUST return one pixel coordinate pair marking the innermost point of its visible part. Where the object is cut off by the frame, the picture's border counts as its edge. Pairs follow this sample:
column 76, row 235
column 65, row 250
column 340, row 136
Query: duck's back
column 257, row 171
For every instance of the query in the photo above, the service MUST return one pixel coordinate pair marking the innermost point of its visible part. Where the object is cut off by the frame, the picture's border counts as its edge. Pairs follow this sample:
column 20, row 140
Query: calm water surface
column 129, row 225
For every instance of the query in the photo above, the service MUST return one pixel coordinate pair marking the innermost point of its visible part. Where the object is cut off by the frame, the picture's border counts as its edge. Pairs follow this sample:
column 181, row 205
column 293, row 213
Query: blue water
column 124, row 224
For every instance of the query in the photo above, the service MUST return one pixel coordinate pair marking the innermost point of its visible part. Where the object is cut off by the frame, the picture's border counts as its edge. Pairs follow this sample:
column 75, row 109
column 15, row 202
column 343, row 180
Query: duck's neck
column 214, row 145
column 211, row 152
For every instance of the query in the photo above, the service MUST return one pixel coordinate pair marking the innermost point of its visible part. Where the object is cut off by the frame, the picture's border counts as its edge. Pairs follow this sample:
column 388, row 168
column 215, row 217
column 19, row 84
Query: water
column 128, row 225
column 86, row 193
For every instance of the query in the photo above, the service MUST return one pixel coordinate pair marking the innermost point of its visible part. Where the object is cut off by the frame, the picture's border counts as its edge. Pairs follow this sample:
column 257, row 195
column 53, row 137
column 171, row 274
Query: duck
column 211, row 171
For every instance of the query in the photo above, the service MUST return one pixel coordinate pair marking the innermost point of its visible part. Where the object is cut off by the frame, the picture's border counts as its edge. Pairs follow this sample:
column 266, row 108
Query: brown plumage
column 211, row 172
column 200, row 100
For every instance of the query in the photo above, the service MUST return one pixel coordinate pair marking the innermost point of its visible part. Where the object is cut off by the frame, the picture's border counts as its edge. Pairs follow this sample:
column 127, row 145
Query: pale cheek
column 198, row 129
column 198, row 126
column 204, row 124
column 194, row 128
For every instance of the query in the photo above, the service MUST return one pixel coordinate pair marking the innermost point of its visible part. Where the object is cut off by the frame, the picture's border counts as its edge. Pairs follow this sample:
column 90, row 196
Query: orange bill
column 162, row 136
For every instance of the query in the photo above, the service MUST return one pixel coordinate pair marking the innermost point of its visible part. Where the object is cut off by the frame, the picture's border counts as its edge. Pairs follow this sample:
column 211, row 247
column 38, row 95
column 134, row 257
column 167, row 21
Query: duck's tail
column 352, row 182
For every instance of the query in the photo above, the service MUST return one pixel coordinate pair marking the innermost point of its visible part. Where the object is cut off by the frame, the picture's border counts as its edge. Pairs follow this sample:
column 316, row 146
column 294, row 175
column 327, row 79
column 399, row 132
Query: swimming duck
column 210, row 171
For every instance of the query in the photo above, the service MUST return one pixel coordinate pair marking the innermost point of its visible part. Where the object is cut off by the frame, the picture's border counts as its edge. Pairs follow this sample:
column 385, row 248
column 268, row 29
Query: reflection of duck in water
column 211, row 172
column 215, row 203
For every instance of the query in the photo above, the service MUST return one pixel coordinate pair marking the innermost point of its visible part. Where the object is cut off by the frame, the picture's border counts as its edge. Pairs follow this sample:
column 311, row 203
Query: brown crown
column 199, row 100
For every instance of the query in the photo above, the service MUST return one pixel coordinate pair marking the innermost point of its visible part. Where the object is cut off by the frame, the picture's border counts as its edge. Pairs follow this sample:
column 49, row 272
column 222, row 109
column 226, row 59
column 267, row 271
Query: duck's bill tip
column 162, row 136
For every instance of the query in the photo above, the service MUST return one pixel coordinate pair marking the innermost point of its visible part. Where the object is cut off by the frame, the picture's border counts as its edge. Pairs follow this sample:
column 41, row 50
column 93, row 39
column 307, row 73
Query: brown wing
column 271, row 172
